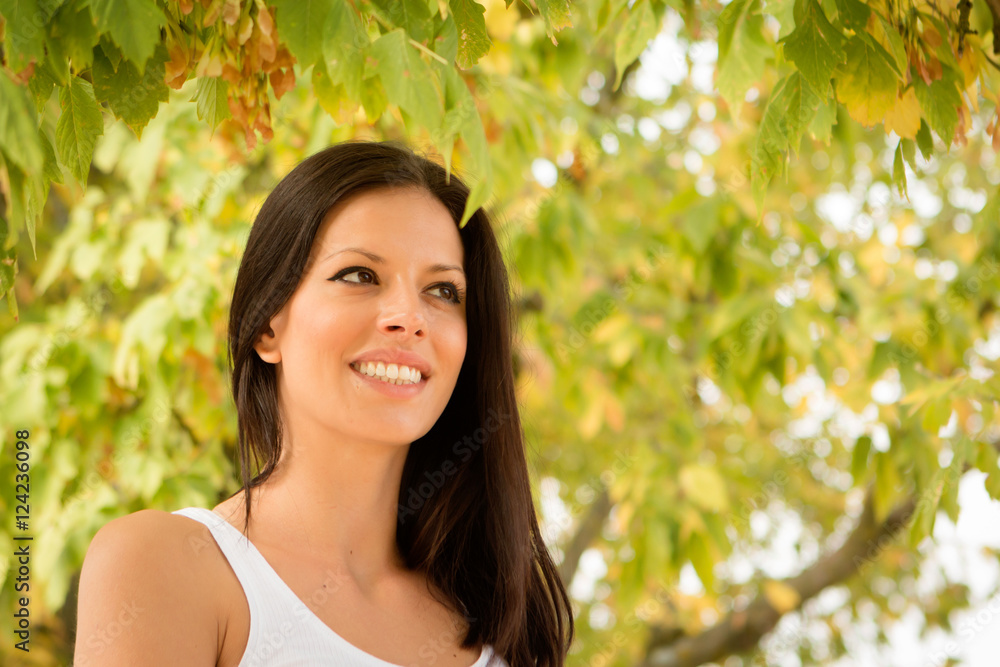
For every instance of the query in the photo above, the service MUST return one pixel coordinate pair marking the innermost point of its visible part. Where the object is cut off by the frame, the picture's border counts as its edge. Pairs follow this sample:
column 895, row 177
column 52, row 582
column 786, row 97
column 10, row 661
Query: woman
column 390, row 520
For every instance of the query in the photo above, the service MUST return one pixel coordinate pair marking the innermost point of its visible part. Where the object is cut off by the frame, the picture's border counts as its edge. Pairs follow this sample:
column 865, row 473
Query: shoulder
column 146, row 581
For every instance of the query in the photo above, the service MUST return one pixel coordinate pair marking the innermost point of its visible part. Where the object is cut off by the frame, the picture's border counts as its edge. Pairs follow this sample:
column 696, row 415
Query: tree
column 692, row 275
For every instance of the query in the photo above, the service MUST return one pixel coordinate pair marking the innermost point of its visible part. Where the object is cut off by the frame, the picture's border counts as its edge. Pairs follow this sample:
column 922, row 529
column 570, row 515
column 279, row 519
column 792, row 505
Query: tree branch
column 742, row 630
column 590, row 528
column 994, row 7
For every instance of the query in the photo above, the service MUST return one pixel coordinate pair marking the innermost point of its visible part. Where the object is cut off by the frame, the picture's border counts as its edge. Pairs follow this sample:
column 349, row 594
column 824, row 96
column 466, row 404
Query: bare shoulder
column 146, row 595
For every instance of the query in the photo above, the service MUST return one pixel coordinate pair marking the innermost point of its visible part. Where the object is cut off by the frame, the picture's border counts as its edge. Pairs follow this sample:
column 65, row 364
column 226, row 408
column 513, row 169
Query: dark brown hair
column 466, row 516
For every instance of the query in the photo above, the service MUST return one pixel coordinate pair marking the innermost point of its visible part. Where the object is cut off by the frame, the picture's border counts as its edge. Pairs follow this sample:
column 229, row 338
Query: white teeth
column 391, row 373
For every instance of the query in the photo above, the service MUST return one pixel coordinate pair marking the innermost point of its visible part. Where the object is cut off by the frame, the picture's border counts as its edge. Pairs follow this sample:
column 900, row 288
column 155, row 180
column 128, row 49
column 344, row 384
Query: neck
column 337, row 500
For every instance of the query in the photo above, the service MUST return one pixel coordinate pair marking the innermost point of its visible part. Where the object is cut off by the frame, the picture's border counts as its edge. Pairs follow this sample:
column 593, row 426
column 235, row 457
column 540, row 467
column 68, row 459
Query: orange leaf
column 282, row 81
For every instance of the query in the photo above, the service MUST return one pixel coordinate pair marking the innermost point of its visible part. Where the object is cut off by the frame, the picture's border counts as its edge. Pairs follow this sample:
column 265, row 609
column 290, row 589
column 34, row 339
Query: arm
column 143, row 599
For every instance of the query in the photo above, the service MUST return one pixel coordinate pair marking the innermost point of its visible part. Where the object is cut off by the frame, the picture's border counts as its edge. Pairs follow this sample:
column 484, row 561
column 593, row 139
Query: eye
column 454, row 294
column 360, row 270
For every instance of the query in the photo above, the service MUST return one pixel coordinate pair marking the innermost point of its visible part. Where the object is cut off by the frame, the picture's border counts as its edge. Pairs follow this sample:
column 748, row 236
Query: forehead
column 408, row 221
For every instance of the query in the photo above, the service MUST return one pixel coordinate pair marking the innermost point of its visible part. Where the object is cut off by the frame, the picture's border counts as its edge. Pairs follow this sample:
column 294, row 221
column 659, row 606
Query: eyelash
column 458, row 292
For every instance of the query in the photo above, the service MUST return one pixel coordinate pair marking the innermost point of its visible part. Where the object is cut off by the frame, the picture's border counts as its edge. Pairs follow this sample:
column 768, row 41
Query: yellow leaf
column 866, row 83
column 705, row 487
column 904, row 117
column 781, row 596
column 971, row 64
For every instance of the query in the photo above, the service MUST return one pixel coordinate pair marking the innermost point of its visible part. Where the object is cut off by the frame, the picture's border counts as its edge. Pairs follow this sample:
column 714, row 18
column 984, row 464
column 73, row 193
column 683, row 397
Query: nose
column 402, row 312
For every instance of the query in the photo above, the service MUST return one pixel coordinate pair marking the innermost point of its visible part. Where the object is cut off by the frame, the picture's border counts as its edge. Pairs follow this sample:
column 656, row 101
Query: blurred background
column 758, row 331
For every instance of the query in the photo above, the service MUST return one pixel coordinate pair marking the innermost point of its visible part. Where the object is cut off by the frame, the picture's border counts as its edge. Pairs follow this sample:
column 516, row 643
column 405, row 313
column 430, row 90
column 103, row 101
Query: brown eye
column 452, row 293
column 360, row 270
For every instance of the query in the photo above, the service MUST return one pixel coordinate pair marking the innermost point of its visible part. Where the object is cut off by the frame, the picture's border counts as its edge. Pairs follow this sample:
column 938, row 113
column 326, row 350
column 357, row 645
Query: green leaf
column 879, row 50
column 953, row 474
column 17, row 206
column 701, row 559
column 301, row 24
column 414, row 16
column 821, row 127
column 986, row 460
column 134, row 25
column 28, row 193
column 134, row 98
column 886, row 484
column 24, row 35
column 853, row 14
column 925, row 142
column 41, row 85
column 896, row 45
column 940, row 102
column 409, row 82
column 936, row 413
column 899, row 171
column 79, row 126
column 783, row 10
column 50, row 165
column 70, row 38
column 801, row 103
column 909, row 153
column 925, row 510
column 743, row 51
column 557, row 16
column 19, row 127
column 36, row 191
column 463, row 120
column 8, row 267
column 640, row 27
column 866, row 84
column 470, row 22
column 859, row 458
column 210, row 98
column 111, row 51
column 74, row 30
column 789, row 112
column 445, row 42
column 816, row 47
column 373, row 99
column 344, row 44
column 332, row 96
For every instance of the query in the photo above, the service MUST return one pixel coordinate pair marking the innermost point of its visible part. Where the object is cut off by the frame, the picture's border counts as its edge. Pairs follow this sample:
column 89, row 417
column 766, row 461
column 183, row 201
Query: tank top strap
column 268, row 598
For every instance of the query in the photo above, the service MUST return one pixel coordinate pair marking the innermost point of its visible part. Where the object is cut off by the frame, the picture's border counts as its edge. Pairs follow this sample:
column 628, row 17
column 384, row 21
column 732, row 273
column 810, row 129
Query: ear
column 267, row 346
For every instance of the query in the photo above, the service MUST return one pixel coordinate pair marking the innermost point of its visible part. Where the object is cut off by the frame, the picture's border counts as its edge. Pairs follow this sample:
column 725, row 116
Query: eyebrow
column 379, row 260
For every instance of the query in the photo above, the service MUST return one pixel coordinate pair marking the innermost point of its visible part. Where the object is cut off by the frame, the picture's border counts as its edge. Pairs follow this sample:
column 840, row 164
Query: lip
column 390, row 356
column 392, row 390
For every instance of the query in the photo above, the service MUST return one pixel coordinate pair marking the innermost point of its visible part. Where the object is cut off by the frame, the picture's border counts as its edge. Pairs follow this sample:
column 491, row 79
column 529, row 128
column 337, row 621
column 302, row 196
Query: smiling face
column 385, row 274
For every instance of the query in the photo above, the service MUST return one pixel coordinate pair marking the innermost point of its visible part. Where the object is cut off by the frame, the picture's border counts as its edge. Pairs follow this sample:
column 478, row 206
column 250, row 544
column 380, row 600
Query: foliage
column 677, row 299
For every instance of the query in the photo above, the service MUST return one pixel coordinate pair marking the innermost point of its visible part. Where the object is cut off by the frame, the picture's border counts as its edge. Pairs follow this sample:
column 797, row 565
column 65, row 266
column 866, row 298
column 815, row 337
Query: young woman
column 386, row 515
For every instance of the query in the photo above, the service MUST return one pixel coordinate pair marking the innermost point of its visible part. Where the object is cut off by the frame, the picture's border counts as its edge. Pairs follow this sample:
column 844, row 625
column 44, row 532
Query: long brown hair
column 466, row 517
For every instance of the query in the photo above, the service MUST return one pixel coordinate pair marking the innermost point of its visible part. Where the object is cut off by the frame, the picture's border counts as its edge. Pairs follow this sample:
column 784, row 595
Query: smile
column 395, row 374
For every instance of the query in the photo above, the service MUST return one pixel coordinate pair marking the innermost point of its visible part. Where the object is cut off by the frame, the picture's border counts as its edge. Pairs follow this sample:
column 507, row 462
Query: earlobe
column 267, row 347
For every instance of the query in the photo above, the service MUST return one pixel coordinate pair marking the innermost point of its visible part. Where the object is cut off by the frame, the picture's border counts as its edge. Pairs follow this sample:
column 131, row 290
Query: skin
column 325, row 520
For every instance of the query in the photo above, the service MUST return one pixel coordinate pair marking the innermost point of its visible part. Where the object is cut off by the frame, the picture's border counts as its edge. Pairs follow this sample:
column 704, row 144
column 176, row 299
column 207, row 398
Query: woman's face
column 383, row 280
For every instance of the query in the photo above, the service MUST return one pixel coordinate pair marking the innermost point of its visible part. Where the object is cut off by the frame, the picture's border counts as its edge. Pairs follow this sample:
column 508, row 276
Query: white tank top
column 284, row 632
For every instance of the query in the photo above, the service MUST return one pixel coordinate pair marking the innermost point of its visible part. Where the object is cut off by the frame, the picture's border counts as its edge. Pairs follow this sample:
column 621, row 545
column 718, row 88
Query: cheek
column 459, row 344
